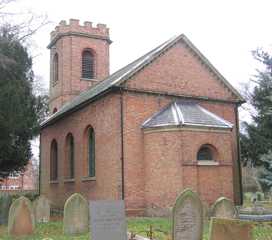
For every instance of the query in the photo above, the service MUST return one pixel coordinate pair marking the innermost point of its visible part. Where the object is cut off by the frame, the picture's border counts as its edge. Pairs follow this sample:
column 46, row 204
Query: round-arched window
column 205, row 153
column 70, row 155
column 54, row 160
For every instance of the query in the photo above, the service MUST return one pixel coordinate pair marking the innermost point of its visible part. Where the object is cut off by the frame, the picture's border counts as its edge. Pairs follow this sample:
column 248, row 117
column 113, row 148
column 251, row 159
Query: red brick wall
column 69, row 49
column 171, row 166
column 178, row 70
column 154, row 170
column 104, row 116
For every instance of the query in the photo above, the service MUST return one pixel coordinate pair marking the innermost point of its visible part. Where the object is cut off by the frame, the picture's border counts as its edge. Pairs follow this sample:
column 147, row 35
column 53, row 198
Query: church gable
column 183, row 70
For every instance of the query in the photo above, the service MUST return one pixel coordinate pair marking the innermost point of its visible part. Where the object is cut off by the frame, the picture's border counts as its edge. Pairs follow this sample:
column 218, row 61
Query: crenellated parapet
column 99, row 31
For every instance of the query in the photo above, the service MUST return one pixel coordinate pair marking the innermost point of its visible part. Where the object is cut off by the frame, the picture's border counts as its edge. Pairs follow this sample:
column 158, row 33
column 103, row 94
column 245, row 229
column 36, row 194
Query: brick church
column 163, row 123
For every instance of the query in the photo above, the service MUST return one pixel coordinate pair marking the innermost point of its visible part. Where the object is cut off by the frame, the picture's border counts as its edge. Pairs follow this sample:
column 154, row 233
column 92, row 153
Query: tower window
column 88, row 64
column 55, row 69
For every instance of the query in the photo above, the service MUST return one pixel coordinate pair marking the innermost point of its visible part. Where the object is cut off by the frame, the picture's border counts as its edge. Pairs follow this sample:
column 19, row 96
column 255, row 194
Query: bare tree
column 24, row 28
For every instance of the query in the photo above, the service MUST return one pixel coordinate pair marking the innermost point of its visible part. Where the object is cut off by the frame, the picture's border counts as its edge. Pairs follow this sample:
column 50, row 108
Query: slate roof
column 186, row 113
column 120, row 76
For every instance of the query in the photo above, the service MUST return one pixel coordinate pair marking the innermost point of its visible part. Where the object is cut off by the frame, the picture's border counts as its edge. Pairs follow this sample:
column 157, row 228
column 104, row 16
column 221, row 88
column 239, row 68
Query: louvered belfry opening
column 88, row 64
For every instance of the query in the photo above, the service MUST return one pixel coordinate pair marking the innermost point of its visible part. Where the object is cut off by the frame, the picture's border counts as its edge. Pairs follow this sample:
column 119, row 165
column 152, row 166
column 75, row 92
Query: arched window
column 55, row 69
column 54, row 161
column 55, row 110
column 70, row 156
column 206, row 152
column 91, row 152
column 88, row 62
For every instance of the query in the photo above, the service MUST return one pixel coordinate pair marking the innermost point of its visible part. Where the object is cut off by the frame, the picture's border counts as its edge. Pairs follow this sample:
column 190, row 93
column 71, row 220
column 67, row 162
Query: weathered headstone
column 5, row 202
column 187, row 217
column 76, row 215
column 226, row 229
column 224, row 208
column 108, row 220
column 41, row 209
column 21, row 220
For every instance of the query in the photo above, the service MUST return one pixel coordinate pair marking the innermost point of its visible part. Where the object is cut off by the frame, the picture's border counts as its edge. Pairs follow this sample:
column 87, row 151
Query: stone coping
column 207, row 163
column 85, row 179
column 69, row 180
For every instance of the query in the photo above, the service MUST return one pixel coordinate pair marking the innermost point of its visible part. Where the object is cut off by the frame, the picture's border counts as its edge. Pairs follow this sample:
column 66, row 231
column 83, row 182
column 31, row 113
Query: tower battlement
column 74, row 28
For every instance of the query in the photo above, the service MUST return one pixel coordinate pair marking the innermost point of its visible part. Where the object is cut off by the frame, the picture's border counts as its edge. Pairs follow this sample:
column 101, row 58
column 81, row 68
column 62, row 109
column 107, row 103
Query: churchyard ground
column 54, row 230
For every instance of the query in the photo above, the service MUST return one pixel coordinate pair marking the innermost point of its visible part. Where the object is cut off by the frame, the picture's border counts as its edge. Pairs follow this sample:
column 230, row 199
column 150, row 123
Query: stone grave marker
column 226, row 229
column 41, row 209
column 76, row 215
column 224, row 208
column 187, row 217
column 5, row 202
column 21, row 220
column 108, row 221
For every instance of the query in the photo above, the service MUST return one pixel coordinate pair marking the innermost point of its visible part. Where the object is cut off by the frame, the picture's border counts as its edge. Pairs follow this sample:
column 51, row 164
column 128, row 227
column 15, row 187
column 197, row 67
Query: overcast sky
column 224, row 31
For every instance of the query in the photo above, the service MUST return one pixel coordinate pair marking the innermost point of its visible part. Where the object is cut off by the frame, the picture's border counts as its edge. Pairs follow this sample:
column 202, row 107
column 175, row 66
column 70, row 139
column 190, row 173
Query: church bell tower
column 79, row 58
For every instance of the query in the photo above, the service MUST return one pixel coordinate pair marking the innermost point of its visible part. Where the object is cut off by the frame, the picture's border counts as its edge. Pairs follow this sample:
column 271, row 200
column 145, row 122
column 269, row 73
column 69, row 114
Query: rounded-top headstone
column 42, row 209
column 21, row 220
column 76, row 215
column 187, row 217
column 224, row 208
column 5, row 202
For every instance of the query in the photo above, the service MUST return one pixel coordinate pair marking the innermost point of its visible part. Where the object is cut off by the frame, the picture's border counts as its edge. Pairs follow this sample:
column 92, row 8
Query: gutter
column 239, row 155
column 40, row 165
column 122, row 144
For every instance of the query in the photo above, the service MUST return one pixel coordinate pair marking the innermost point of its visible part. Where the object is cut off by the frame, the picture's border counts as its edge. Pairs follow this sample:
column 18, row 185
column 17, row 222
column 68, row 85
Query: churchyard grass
column 45, row 231
column 53, row 230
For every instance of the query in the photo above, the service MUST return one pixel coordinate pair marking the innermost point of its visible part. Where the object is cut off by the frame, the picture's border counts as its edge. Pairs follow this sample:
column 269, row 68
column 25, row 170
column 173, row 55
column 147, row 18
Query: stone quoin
column 165, row 122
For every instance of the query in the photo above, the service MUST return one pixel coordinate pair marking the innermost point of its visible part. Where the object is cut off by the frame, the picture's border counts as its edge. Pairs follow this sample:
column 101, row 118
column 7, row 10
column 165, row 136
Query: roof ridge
column 179, row 113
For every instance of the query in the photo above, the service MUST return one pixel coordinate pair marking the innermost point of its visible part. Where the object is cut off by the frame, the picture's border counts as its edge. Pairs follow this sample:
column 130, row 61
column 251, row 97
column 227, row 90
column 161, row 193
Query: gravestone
column 76, row 215
column 41, row 209
column 187, row 217
column 5, row 202
column 108, row 220
column 21, row 220
column 224, row 208
column 226, row 229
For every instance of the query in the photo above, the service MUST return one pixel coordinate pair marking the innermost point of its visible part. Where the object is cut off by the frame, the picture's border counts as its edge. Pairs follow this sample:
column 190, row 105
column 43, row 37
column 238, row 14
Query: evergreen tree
column 20, row 110
column 265, row 174
column 257, row 141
